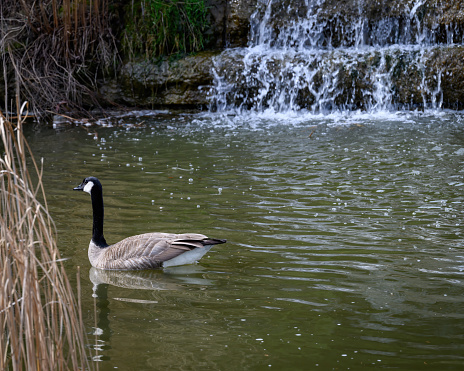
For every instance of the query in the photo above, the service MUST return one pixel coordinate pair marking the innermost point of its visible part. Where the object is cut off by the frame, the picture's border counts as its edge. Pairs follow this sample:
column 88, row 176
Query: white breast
column 188, row 257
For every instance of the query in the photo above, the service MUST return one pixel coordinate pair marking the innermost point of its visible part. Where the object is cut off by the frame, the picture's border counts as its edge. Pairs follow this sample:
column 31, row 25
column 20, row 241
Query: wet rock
column 382, row 22
column 216, row 35
column 445, row 67
column 238, row 21
column 347, row 79
column 166, row 82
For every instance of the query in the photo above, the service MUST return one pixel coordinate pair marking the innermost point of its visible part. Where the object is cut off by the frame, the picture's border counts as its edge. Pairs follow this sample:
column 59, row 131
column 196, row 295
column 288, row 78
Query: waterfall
column 302, row 56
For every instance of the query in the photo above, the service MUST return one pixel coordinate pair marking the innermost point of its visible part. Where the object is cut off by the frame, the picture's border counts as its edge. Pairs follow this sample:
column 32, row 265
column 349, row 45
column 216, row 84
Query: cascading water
column 302, row 57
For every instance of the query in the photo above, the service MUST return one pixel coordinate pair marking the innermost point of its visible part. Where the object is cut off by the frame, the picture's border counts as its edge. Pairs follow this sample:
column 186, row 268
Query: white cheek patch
column 88, row 187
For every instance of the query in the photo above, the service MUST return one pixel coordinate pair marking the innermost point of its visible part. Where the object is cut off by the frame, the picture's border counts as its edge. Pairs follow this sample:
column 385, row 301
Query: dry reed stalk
column 40, row 316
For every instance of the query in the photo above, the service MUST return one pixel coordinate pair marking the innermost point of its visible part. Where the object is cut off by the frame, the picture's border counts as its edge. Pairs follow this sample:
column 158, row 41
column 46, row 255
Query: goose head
column 88, row 184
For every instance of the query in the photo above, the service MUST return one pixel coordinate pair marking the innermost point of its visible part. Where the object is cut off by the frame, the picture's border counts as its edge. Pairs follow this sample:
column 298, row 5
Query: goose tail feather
column 191, row 244
column 212, row 241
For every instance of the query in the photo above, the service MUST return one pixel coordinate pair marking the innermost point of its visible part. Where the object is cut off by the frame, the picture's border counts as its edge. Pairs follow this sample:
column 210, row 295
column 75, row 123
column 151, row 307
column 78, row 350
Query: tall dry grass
column 40, row 316
column 52, row 51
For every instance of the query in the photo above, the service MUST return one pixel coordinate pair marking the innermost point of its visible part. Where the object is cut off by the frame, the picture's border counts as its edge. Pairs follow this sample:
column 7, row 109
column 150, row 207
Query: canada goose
column 144, row 251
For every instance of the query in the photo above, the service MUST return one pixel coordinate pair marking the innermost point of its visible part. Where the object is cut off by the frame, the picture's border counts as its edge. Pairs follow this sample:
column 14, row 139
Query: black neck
column 98, row 214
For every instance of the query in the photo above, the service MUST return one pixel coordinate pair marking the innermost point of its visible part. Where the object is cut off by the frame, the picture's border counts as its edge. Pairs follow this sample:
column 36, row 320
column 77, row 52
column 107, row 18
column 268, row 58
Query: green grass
column 157, row 28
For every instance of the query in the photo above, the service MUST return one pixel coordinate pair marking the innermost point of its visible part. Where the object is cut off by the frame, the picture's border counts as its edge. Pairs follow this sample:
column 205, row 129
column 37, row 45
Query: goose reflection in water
column 173, row 278
column 169, row 279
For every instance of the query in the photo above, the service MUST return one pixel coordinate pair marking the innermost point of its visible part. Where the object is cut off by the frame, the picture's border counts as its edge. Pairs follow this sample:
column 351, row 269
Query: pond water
column 344, row 239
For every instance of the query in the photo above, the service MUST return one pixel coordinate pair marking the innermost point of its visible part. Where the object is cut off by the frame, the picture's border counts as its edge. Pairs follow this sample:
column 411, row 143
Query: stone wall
column 142, row 83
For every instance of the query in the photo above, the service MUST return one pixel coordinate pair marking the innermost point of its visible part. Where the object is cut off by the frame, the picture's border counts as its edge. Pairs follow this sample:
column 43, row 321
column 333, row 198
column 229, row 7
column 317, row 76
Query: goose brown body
column 147, row 251
column 144, row 251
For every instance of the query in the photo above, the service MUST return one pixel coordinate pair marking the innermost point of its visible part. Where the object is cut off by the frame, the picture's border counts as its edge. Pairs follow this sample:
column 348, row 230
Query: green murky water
column 345, row 246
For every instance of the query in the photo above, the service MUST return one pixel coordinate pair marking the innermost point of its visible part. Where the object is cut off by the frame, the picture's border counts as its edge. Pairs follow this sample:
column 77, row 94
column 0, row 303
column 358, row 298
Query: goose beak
column 80, row 187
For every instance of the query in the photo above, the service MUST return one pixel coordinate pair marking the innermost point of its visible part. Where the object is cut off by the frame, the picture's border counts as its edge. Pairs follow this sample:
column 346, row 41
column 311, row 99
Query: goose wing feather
column 149, row 250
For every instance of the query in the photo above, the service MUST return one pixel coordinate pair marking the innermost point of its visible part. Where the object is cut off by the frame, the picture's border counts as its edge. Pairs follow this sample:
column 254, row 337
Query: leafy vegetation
column 165, row 27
